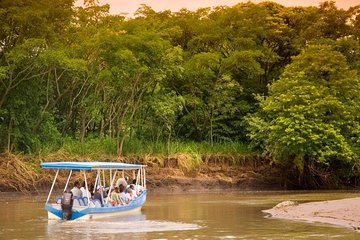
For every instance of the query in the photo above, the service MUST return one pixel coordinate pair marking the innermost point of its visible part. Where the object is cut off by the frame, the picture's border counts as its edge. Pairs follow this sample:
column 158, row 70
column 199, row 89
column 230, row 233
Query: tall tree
column 311, row 117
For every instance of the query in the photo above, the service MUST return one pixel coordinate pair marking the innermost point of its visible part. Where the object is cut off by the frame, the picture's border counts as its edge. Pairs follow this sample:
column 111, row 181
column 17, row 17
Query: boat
column 69, row 207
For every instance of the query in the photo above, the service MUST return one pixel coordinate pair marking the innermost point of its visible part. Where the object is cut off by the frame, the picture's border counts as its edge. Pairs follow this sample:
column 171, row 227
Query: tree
column 311, row 117
column 42, row 19
column 166, row 107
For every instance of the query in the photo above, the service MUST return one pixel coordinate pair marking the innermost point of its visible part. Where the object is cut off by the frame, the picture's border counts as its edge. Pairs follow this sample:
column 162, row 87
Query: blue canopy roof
column 89, row 165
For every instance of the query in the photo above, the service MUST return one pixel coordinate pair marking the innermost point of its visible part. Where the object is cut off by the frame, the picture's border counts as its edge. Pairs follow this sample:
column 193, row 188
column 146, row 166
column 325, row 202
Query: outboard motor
column 67, row 204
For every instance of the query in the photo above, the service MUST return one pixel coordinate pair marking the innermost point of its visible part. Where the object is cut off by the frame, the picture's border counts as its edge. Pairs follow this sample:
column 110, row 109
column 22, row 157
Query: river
column 217, row 215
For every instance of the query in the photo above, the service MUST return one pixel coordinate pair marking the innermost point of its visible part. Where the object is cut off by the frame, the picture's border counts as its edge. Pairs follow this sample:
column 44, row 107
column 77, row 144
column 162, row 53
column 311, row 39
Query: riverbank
column 343, row 212
column 212, row 176
column 177, row 172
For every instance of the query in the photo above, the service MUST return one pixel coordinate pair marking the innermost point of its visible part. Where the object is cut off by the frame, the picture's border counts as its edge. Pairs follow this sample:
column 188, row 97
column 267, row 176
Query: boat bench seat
column 80, row 201
column 95, row 203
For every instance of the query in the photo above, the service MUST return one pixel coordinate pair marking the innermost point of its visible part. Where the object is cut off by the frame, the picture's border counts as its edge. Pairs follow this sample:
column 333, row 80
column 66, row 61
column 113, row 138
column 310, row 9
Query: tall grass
column 92, row 148
column 98, row 147
column 135, row 146
column 188, row 155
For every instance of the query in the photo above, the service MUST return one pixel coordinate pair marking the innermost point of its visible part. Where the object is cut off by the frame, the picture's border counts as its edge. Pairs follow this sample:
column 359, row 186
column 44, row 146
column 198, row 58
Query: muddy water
column 218, row 215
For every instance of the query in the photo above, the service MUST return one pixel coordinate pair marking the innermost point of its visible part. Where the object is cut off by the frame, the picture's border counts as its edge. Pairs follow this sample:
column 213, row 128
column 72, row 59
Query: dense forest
column 283, row 81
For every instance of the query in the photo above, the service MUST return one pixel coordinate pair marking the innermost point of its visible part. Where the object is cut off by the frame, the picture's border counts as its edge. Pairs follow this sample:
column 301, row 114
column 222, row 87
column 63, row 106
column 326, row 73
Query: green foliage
column 311, row 112
column 166, row 108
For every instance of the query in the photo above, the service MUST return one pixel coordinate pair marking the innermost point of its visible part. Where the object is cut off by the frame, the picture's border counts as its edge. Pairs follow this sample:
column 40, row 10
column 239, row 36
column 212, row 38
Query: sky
column 130, row 6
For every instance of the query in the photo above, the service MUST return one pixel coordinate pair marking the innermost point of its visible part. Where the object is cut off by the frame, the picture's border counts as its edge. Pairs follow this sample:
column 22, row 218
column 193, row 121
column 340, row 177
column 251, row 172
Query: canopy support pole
column 52, row 186
column 101, row 188
column 96, row 181
column 67, row 181
column 111, row 185
column 104, row 183
column 87, row 189
column 138, row 178
column 110, row 175
column 144, row 178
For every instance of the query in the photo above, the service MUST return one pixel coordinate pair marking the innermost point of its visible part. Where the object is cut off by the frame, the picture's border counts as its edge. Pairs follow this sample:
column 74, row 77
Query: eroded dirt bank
column 343, row 212
column 175, row 173
column 215, row 172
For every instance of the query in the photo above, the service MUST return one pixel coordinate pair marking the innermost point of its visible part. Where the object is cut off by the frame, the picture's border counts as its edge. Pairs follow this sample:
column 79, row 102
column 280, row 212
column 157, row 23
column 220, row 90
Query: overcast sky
column 130, row 6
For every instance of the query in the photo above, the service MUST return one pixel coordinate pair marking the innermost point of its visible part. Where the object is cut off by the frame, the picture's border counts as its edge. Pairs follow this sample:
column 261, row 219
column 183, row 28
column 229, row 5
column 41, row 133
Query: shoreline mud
column 21, row 174
column 342, row 212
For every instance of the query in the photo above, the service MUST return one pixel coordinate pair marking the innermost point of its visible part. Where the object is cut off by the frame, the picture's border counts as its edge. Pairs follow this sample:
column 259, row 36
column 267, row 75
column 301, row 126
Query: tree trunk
column 119, row 140
column 82, row 129
column 102, row 128
column 120, row 147
column 9, row 136
column 168, row 141
column 211, row 129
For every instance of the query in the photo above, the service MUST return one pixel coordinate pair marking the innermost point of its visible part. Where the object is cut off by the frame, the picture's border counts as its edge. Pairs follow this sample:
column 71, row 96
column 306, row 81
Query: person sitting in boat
column 115, row 197
column 84, row 192
column 130, row 195
column 138, row 188
column 91, row 187
column 76, row 190
column 132, row 186
column 97, row 195
column 121, row 181
column 122, row 193
column 121, row 201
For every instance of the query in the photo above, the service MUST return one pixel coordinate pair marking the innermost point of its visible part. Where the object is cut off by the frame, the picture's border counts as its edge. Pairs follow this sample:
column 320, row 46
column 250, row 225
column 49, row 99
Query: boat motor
column 67, row 204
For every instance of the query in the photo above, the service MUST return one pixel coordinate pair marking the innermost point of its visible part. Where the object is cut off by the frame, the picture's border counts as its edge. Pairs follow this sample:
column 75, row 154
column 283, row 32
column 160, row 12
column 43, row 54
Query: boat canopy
column 90, row 165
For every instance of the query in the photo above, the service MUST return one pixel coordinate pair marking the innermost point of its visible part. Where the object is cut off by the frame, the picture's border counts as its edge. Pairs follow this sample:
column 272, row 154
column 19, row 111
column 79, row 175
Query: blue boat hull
column 97, row 212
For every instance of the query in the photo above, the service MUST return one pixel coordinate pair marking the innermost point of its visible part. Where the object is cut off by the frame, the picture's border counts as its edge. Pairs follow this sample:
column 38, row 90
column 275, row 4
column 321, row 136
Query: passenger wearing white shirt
column 76, row 190
column 84, row 192
column 138, row 188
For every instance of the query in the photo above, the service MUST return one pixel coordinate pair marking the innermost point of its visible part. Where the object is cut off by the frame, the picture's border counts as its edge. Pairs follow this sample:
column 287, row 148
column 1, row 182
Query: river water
column 217, row 215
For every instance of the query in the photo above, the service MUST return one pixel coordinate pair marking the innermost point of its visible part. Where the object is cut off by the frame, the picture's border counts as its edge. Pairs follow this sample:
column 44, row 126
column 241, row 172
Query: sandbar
column 343, row 212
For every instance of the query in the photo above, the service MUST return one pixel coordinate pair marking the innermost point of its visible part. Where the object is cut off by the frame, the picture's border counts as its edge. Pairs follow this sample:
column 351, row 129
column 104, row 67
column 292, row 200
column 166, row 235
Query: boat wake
column 116, row 226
